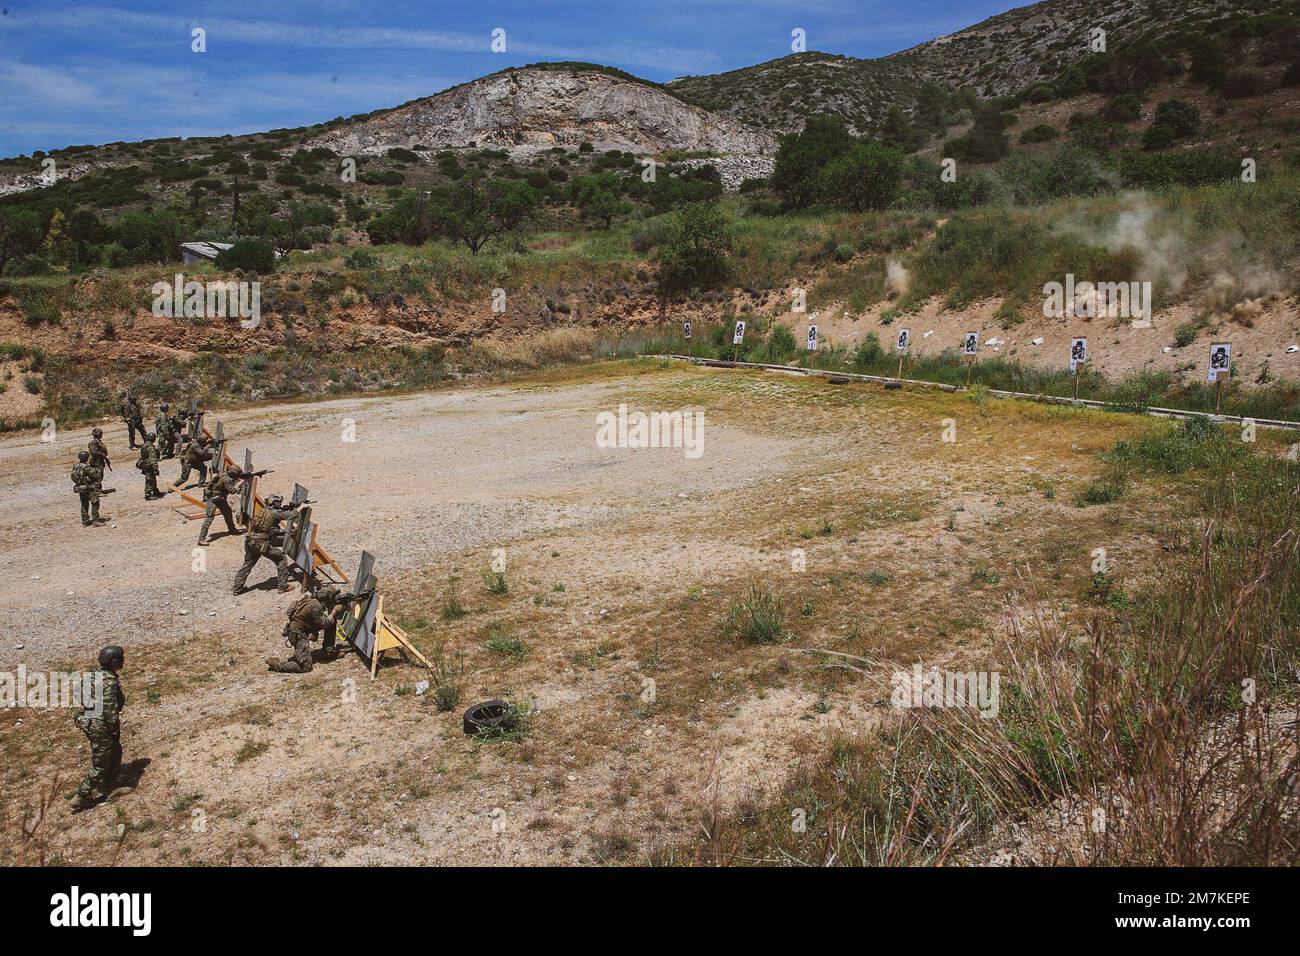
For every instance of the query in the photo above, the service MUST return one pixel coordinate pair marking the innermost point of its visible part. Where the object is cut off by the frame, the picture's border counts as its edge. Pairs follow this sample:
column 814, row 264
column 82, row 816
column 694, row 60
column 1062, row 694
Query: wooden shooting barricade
column 366, row 627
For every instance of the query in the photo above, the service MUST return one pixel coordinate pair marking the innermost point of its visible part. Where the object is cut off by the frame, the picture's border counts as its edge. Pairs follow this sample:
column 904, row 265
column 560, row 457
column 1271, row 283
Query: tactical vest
column 264, row 525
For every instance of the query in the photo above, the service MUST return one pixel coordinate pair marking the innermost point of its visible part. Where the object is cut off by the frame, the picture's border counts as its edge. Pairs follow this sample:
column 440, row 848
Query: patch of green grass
column 756, row 617
column 505, row 644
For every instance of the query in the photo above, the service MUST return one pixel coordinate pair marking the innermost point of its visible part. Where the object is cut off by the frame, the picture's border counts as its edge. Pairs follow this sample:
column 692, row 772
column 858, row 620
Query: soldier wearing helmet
column 87, row 481
column 99, row 720
column 315, row 613
column 133, row 418
column 222, row 485
column 263, row 541
column 148, row 465
column 98, row 450
column 196, row 456
column 162, row 426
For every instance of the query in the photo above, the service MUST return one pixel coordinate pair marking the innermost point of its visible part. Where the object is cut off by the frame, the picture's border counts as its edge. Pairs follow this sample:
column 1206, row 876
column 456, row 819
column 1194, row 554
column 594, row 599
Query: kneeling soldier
column 309, row 616
column 264, row 534
column 223, row 484
column 99, row 721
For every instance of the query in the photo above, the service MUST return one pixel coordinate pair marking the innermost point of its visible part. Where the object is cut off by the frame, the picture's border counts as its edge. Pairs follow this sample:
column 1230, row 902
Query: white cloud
column 149, row 28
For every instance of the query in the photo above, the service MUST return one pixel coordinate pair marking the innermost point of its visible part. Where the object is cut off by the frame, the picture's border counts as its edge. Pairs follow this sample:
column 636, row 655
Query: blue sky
column 76, row 72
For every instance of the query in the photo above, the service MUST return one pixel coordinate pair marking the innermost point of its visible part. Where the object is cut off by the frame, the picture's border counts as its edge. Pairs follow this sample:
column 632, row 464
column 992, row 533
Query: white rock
column 421, row 687
column 1037, row 341
column 1292, row 348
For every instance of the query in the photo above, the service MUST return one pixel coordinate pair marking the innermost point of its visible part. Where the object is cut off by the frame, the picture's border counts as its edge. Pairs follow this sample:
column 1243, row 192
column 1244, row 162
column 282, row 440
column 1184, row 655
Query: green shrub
column 868, row 352
column 250, row 254
column 1042, row 133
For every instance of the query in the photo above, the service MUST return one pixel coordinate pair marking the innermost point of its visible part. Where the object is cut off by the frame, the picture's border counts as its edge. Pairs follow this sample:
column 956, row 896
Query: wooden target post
column 970, row 350
column 365, row 626
column 1078, row 359
column 1220, row 368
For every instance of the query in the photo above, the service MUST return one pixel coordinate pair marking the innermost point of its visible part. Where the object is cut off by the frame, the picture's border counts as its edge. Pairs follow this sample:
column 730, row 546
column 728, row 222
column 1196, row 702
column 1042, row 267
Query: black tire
column 490, row 718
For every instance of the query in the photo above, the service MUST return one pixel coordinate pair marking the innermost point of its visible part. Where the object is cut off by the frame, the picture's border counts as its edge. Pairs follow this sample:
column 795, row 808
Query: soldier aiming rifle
column 315, row 613
column 264, row 531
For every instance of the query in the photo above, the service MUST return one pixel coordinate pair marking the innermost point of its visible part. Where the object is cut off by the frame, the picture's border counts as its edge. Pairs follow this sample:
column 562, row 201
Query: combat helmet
column 112, row 657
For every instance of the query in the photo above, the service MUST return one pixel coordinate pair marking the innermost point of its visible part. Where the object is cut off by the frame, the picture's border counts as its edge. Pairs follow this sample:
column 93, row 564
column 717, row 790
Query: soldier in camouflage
column 148, row 465
column 98, row 450
column 222, row 485
column 196, row 455
column 263, row 541
column 309, row 616
column 133, row 418
column 87, row 481
column 162, row 425
column 100, row 721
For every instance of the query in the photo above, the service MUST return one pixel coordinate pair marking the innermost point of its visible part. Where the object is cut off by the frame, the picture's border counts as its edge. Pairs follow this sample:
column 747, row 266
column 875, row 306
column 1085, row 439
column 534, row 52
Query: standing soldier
column 263, row 541
column 308, row 616
column 148, row 465
column 99, row 721
column 162, row 426
column 134, row 419
column 86, row 479
column 196, row 455
column 223, row 483
column 98, row 450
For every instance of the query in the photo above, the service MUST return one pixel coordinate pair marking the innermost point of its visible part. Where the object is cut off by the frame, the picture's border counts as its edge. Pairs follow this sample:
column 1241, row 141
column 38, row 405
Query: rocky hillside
column 528, row 110
column 781, row 94
column 1003, row 55
column 1011, row 52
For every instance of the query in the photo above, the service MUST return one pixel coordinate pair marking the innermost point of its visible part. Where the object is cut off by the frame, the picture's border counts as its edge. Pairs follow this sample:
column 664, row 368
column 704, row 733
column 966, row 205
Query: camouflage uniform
column 86, row 479
column 196, row 455
column 162, row 425
column 105, row 735
column 134, row 419
column 98, row 452
column 148, row 465
column 308, row 617
column 223, row 484
column 263, row 532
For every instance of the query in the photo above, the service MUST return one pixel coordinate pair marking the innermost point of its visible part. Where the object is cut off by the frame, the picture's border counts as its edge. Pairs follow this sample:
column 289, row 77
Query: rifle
column 359, row 596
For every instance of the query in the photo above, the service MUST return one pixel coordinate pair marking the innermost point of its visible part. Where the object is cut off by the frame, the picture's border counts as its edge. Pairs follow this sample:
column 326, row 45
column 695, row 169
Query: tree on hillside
column 985, row 142
column 898, row 130
column 801, row 157
column 697, row 240
column 57, row 246
column 865, row 176
column 236, row 168
column 599, row 198
column 476, row 209
column 20, row 234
